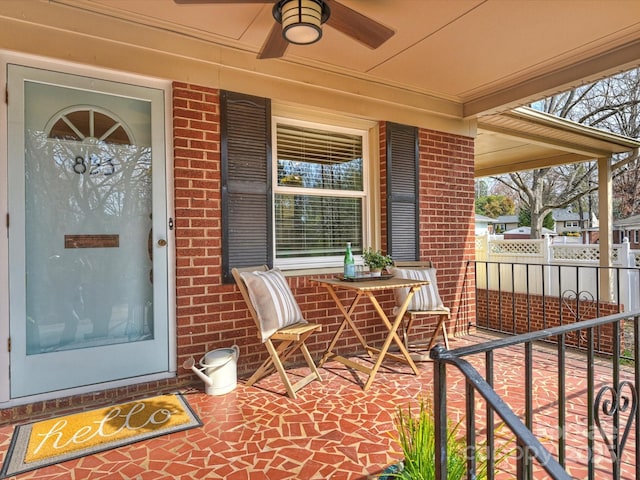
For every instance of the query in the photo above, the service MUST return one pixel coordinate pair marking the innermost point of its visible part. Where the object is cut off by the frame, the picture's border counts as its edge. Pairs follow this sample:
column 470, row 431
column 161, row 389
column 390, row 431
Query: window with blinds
column 319, row 193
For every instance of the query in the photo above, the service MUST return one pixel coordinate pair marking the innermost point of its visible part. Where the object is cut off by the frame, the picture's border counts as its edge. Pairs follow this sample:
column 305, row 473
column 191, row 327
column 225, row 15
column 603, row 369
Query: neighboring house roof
column 527, row 231
column 632, row 222
column 559, row 215
column 484, row 218
column 566, row 215
column 507, row 219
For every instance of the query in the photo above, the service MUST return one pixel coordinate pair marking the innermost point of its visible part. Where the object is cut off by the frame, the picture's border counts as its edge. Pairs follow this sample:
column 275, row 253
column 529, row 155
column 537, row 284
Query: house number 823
column 98, row 166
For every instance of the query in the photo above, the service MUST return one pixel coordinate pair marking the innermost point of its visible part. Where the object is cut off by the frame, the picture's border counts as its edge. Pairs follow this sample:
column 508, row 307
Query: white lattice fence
column 575, row 253
column 583, row 254
column 536, row 266
column 517, row 247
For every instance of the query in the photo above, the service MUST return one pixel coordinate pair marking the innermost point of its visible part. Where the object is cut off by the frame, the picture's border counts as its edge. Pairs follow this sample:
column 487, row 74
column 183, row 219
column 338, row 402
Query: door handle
column 162, row 242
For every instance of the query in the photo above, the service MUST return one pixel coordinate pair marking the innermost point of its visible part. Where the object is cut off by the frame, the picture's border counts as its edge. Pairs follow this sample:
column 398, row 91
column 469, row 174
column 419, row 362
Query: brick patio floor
column 334, row 430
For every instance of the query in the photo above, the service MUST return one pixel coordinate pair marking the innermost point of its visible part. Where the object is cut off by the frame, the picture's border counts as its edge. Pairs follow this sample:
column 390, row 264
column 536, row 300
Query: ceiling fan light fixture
column 301, row 19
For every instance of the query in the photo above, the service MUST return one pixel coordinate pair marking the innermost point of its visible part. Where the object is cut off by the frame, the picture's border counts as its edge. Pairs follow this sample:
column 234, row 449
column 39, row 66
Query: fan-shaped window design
column 81, row 123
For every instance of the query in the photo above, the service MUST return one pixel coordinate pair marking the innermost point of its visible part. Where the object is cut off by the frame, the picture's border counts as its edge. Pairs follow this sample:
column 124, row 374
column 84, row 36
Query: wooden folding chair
column 443, row 314
column 281, row 344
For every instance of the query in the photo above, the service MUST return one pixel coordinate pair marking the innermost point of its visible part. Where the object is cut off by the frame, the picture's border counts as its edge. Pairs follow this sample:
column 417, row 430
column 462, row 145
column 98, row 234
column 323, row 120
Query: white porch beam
column 547, row 83
column 485, row 169
column 605, row 235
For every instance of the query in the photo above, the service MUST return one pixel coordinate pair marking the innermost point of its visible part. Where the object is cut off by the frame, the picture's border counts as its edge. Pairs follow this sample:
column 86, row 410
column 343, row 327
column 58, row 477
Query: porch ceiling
column 459, row 60
column 477, row 55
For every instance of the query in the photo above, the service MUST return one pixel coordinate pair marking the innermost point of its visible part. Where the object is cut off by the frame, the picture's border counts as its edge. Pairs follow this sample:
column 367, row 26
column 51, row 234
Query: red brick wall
column 201, row 322
column 520, row 313
column 447, row 220
column 213, row 315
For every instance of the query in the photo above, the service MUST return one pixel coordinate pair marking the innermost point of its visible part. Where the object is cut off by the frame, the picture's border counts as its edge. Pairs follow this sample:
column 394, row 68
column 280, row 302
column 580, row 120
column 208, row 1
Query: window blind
column 319, row 195
column 313, row 226
column 312, row 158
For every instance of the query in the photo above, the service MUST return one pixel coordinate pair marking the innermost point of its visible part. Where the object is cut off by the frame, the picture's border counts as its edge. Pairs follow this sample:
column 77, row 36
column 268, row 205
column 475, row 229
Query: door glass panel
column 88, row 229
column 89, row 301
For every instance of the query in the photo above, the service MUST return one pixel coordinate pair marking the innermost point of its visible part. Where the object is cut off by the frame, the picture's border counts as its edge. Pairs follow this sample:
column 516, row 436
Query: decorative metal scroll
column 619, row 403
column 571, row 298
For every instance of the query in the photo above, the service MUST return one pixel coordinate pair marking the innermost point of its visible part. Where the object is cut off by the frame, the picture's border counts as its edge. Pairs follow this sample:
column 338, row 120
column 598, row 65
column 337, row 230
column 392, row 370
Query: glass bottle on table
column 349, row 263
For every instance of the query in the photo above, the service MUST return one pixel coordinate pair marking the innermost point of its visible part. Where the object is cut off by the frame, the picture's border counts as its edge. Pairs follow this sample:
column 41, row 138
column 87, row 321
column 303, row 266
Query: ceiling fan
column 300, row 22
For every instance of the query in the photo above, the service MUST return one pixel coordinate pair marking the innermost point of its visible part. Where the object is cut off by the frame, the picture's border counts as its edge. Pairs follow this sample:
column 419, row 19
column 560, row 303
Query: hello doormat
column 56, row 440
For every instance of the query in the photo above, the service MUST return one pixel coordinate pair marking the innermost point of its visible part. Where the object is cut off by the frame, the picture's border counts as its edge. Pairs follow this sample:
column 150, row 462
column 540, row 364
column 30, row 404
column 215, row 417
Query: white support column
column 605, row 236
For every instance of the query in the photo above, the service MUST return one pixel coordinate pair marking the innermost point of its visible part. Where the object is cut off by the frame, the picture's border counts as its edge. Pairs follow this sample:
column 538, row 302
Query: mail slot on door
column 91, row 241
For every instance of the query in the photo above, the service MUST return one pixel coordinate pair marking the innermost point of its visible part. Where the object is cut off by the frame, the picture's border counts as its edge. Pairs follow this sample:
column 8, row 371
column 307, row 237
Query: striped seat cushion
column 427, row 298
column 273, row 301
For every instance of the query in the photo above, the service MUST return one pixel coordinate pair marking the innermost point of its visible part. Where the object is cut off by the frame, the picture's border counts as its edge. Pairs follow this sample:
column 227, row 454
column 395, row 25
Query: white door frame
column 7, row 58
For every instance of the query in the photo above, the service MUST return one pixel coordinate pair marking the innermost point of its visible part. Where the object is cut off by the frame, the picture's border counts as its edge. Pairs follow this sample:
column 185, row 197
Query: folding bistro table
column 369, row 287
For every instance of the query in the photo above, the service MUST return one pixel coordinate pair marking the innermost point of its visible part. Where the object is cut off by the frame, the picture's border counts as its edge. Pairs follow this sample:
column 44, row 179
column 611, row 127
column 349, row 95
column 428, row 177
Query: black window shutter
column 402, row 192
column 246, row 182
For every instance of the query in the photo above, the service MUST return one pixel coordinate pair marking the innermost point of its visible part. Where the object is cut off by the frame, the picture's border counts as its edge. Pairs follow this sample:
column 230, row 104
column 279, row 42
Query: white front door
column 88, row 232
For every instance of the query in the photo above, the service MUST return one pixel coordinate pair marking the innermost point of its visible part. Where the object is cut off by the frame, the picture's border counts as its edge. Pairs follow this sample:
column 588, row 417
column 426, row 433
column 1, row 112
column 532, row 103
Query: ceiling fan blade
column 187, row 2
column 358, row 26
column 275, row 45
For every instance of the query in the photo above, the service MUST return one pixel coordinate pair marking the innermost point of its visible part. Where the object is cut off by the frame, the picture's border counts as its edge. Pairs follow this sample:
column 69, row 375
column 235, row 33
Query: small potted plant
column 376, row 261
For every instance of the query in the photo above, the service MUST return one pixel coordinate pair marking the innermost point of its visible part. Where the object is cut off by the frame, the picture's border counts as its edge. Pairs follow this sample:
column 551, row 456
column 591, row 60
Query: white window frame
column 370, row 188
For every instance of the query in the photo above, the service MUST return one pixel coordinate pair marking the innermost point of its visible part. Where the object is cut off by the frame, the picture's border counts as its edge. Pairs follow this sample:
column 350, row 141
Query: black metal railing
column 606, row 398
column 515, row 298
